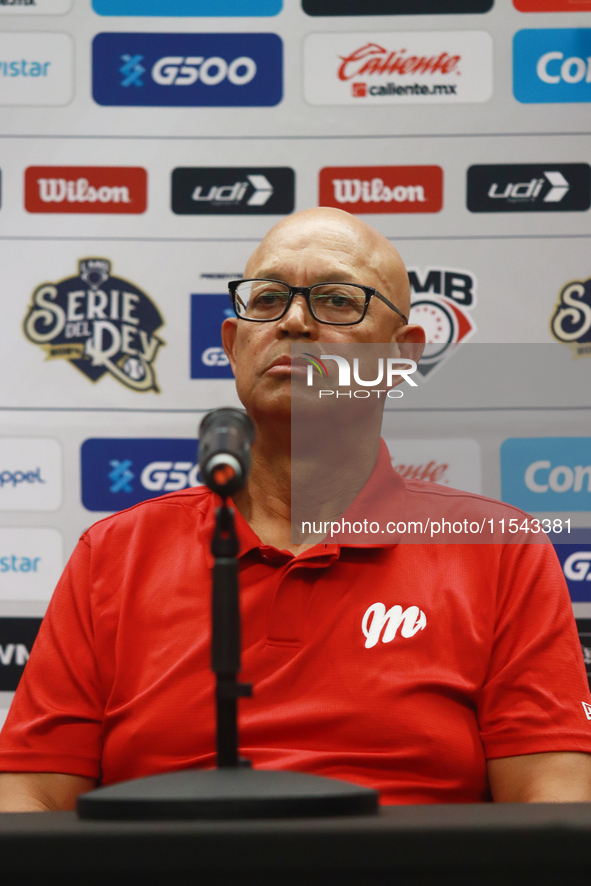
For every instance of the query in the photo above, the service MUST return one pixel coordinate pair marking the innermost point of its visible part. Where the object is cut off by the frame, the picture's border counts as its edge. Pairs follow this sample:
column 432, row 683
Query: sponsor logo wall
column 143, row 160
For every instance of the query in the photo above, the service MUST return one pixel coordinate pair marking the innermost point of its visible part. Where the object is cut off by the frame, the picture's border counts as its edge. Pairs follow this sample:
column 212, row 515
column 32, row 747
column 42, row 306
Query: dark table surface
column 479, row 845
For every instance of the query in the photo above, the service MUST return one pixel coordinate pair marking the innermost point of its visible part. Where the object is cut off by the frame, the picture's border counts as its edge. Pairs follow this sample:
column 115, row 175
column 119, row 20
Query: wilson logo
column 388, row 189
column 379, row 622
column 85, row 189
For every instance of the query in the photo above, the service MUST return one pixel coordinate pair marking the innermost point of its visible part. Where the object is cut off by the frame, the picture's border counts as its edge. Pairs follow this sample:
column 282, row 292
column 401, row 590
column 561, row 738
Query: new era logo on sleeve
column 587, row 709
column 187, row 70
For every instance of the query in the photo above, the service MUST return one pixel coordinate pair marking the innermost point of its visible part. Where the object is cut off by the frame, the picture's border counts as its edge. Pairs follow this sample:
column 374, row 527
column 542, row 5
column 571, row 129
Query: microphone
column 225, row 438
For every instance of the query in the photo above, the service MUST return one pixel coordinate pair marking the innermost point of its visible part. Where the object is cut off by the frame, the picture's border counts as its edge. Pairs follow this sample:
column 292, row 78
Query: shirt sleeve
column 534, row 695
column 55, row 720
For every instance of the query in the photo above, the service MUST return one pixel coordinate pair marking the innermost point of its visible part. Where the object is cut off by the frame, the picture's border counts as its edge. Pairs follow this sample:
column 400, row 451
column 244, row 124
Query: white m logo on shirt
column 377, row 619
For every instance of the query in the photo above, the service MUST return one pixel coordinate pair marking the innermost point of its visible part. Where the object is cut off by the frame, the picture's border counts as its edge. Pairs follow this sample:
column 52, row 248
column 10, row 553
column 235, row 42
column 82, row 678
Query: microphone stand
column 225, row 638
column 234, row 789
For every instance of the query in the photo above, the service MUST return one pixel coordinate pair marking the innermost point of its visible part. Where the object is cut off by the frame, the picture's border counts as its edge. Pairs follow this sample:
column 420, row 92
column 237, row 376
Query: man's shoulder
column 194, row 502
column 449, row 498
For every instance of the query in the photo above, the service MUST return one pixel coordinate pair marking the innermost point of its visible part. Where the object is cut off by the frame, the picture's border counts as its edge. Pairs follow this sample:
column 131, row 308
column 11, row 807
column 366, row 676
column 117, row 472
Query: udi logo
column 552, row 65
column 36, row 68
column 552, row 5
column 88, row 189
column 119, row 473
column 187, row 7
column 547, row 473
column 528, row 187
column 180, row 70
column 233, row 190
column 417, row 67
column 380, row 189
column 208, row 359
column 395, row 7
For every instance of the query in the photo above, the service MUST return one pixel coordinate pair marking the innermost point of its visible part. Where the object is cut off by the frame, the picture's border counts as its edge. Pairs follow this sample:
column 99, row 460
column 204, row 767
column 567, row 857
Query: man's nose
column 298, row 319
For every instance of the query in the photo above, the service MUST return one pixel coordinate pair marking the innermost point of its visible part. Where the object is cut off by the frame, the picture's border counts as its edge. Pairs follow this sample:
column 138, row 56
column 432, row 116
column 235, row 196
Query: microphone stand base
column 232, row 793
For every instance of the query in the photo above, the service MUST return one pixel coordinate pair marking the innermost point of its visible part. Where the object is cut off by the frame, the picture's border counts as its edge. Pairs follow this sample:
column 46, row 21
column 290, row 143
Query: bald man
column 480, row 701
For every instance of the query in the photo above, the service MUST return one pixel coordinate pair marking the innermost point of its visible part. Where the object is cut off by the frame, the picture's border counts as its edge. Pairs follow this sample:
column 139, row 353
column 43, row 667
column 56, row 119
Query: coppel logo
column 547, row 473
column 119, row 473
column 552, row 65
column 574, row 553
column 180, row 70
column 208, row 359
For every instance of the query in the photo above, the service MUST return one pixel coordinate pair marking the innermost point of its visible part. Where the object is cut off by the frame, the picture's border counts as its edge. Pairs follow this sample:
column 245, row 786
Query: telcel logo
column 222, row 70
column 552, row 65
column 119, row 473
column 547, row 473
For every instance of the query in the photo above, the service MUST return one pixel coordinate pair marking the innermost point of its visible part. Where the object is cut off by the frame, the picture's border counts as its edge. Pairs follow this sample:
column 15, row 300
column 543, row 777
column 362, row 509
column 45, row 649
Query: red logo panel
column 96, row 189
column 382, row 189
column 553, row 5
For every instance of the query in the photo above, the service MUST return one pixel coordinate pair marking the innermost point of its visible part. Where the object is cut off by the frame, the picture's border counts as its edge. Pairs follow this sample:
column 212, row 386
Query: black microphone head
column 225, row 437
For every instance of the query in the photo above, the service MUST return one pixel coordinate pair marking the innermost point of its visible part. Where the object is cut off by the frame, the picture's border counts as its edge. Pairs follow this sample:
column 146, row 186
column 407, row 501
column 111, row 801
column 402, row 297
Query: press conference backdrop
column 147, row 145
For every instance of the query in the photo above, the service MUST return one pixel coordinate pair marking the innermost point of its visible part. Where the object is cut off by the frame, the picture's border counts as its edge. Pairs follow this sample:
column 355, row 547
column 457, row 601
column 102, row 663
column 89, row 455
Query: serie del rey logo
column 571, row 321
column 99, row 323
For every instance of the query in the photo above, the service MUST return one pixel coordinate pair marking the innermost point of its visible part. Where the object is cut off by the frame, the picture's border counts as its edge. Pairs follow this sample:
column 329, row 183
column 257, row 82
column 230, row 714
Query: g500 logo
column 571, row 322
column 99, row 323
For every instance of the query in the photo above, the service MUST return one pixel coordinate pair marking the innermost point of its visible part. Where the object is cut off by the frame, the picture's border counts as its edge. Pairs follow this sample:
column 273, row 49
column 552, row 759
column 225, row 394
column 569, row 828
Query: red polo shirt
column 401, row 667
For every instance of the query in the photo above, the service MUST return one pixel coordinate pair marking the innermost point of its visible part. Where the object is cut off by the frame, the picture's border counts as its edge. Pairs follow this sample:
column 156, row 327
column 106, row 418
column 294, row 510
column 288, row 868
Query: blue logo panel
column 552, row 65
column 187, row 70
column 208, row 359
column 574, row 553
column 119, row 473
column 187, row 7
column 547, row 473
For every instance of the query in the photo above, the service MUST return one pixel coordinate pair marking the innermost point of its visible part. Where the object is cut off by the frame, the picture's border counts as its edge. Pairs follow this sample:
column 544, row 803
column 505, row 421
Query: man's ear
column 411, row 340
column 229, row 329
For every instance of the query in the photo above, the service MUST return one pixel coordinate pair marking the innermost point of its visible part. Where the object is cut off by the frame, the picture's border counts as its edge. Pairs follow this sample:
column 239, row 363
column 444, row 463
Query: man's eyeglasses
column 337, row 304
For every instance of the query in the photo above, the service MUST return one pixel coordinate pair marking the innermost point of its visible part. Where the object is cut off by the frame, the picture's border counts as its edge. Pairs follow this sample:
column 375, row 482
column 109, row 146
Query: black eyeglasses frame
column 305, row 292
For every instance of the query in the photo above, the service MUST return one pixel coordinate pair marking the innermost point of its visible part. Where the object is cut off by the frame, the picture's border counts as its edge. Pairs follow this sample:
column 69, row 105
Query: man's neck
column 324, row 481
